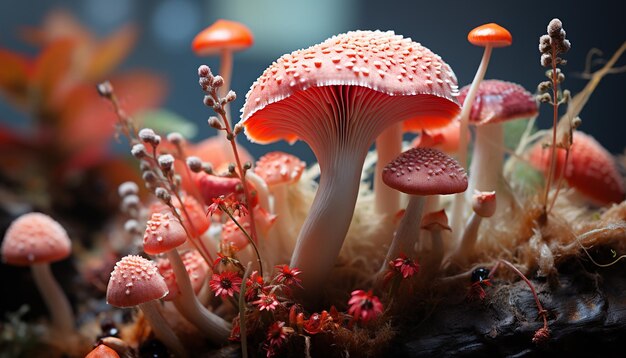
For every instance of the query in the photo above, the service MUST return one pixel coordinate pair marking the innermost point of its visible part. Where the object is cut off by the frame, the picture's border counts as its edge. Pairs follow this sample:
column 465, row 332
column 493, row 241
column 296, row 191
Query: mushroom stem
column 161, row 329
column 327, row 223
column 211, row 325
column 465, row 250
column 262, row 190
column 284, row 219
column 408, row 232
column 54, row 298
column 388, row 146
column 487, row 158
column 226, row 70
column 433, row 262
column 458, row 206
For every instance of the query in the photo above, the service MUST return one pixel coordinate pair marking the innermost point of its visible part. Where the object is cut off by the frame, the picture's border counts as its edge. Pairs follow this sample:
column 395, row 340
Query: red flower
column 254, row 283
column 287, row 276
column 266, row 302
column 364, row 306
column 477, row 290
column 226, row 283
column 406, row 266
column 227, row 204
column 276, row 337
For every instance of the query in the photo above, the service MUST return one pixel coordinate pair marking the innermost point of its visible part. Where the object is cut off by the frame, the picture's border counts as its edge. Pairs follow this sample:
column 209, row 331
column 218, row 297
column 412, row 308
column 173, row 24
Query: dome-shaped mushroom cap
column 590, row 169
column 222, row 35
column 425, row 171
column 490, row 34
column 102, row 351
column 35, row 238
column 162, row 234
column 134, row 281
column 499, row 101
column 197, row 269
column 279, row 168
column 380, row 61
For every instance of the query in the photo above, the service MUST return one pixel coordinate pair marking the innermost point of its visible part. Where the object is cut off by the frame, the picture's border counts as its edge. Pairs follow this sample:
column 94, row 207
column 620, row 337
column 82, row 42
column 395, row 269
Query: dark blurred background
column 280, row 26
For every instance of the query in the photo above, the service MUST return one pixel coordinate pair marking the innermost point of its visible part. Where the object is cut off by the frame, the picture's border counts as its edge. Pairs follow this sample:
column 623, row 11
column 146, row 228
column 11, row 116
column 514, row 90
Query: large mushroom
column 495, row 102
column 338, row 96
column 36, row 240
column 420, row 172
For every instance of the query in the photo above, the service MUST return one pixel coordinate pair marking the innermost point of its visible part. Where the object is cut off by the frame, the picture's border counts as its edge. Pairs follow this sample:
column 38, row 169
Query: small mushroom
column 36, row 240
column 435, row 223
column 163, row 234
column 420, row 172
column 135, row 281
column 102, row 351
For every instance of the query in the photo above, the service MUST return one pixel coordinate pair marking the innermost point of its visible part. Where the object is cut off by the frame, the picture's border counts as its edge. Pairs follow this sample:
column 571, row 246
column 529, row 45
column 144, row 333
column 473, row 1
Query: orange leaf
column 110, row 52
column 14, row 73
column 52, row 69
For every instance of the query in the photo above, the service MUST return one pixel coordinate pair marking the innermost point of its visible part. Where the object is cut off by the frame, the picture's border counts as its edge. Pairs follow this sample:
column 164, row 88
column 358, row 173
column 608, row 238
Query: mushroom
column 279, row 170
column 338, row 96
column 495, row 102
column 488, row 36
column 135, row 281
column 36, row 240
column 591, row 169
column 163, row 234
column 434, row 222
column 102, row 351
column 484, row 206
column 223, row 37
column 419, row 172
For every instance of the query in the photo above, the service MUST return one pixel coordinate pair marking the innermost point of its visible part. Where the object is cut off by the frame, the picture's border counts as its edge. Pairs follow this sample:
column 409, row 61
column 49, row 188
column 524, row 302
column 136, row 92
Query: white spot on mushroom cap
column 135, row 280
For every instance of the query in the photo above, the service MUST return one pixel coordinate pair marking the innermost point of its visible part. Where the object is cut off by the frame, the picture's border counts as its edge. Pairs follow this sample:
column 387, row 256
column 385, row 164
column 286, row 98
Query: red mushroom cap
column 134, row 281
column 484, row 203
column 391, row 79
column 213, row 186
column 163, row 233
column 35, row 238
column 446, row 139
column 222, row 35
column 437, row 220
column 490, row 35
column 102, row 351
column 197, row 269
column 591, row 169
column 279, row 168
column 425, row 171
column 499, row 101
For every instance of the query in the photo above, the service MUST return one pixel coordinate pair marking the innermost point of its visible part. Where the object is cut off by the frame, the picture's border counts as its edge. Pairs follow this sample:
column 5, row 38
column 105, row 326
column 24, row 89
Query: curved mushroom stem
column 161, row 329
column 388, row 146
column 226, row 70
column 327, row 223
column 408, row 232
column 211, row 325
column 262, row 190
column 433, row 262
column 284, row 220
column 487, row 158
column 458, row 206
column 54, row 298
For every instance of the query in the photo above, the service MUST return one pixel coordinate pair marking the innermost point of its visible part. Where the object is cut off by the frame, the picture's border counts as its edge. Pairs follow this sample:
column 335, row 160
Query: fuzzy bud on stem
column 194, row 163
column 166, row 161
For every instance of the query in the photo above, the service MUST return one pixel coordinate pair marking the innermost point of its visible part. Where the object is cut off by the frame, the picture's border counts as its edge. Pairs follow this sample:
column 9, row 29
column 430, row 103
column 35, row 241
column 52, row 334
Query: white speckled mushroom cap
column 35, row 238
column 134, row 281
column 380, row 61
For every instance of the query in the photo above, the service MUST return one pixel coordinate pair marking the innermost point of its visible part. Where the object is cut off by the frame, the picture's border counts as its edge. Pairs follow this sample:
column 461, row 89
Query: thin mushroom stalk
column 388, row 146
column 161, row 329
column 435, row 223
column 54, row 298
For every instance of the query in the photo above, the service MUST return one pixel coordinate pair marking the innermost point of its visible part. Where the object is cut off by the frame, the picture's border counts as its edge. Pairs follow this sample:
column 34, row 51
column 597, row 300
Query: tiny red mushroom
column 135, row 281
column 338, row 96
column 36, row 240
column 488, row 36
column 102, row 351
column 590, row 169
column 420, row 172
column 163, row 234
column 495, row 102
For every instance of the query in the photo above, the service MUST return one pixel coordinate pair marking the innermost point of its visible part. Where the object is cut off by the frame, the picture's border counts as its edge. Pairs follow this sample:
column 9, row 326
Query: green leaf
column 163, row 121
column 513, row 131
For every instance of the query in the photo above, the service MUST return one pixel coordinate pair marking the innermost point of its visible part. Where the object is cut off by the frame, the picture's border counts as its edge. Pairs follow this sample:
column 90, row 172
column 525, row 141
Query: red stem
column 555, row 106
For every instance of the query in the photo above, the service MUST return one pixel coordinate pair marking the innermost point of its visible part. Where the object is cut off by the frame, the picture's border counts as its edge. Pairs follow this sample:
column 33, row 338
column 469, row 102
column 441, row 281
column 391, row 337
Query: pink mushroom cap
column 437, row 220
column 279, row 168
column 35, row 238
column 134, row 281
column 197, row 269
column 499, row 101
column 284, row 103
column 163, row 233
column 425, row 171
